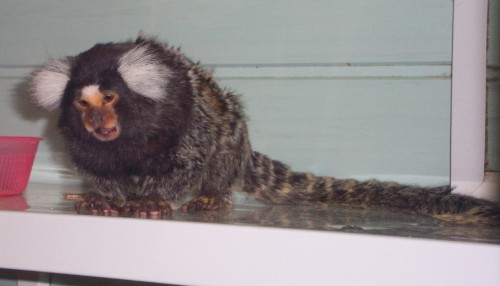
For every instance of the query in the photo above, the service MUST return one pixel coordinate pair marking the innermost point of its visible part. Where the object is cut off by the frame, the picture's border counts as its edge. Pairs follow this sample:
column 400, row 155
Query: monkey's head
column 108, row 91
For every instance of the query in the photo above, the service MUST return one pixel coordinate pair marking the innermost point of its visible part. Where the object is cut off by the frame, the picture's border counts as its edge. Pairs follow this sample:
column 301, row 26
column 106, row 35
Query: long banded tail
column 273, row 181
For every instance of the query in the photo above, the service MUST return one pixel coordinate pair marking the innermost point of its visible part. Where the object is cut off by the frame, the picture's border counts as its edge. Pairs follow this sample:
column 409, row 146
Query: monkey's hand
column 204, row 203
column 96, row 204
column 152, row 206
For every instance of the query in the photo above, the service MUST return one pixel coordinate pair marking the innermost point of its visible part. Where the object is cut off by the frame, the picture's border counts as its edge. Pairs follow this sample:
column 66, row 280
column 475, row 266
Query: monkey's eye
column 82, row 104
column 108, row 98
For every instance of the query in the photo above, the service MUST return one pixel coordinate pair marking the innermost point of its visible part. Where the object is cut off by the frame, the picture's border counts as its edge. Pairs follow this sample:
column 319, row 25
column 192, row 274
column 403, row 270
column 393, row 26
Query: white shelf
column 50, row 237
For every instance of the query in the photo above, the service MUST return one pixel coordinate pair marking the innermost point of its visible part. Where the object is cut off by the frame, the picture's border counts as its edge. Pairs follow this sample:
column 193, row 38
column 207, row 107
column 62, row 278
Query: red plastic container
column 16, row 160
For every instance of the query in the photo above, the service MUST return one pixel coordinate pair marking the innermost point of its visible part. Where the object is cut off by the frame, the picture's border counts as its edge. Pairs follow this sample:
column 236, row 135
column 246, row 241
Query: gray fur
column 144, row 73
column 47, row 84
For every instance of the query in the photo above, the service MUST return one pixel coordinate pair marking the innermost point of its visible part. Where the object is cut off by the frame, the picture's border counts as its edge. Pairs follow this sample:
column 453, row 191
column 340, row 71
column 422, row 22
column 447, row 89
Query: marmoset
column 147, row 126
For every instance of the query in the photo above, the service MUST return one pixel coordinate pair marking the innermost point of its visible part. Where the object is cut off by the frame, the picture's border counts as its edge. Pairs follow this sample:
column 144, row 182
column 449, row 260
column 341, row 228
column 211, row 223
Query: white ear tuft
column 144, row 72
column 47, row 85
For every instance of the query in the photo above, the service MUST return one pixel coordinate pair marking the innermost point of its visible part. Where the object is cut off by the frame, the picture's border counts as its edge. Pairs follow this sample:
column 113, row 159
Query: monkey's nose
column 95, row 120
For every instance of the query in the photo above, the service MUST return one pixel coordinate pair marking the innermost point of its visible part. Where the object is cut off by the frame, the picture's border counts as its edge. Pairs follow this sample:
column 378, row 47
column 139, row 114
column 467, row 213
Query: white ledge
column 382, row 71
column 214, row 254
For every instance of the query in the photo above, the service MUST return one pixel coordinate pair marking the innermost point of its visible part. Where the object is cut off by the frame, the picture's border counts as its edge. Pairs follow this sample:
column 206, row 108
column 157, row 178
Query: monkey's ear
column 47, row 84
column 144, row 71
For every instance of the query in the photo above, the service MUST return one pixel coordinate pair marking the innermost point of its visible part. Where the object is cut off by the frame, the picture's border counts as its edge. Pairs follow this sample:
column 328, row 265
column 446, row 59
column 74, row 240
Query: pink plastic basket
column 16, row 160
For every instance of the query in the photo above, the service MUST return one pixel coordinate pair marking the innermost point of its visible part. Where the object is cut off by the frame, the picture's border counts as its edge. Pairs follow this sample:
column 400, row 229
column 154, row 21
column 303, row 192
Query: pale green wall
column 493, row 123
column 338, row 87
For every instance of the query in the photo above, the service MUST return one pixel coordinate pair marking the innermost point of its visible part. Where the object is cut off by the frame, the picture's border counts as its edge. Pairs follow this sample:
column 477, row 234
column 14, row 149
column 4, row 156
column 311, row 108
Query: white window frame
column 468, row 108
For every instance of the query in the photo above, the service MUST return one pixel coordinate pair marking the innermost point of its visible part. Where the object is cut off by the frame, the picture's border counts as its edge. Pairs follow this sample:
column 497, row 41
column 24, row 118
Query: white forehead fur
column 47, row 85
column 90, row 90
column 144, row 72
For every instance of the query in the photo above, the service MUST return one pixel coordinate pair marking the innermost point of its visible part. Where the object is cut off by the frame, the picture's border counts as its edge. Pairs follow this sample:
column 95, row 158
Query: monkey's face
column 98, row 85
column 98, row 113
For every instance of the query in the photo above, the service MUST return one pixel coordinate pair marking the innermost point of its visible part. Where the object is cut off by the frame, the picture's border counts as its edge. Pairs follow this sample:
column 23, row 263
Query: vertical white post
column 468, row 130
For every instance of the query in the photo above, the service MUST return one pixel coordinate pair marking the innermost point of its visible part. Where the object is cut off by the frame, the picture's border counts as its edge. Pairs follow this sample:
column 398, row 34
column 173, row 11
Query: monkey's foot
column 96, row 204
column 203, row 203
column 153, row 206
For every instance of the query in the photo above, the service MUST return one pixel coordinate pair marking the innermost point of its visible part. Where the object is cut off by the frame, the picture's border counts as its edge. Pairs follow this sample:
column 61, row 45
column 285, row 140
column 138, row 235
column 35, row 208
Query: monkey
column 147, row 127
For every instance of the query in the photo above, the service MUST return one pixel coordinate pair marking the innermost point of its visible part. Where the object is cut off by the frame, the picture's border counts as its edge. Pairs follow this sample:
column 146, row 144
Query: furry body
column 147, row 126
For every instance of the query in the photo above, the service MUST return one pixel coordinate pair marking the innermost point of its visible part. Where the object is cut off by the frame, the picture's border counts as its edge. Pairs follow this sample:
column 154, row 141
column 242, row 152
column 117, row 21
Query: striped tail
column 273, row 181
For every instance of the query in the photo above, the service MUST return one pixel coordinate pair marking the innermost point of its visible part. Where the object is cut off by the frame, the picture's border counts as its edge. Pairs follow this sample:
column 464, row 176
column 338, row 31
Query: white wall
column 342, row 88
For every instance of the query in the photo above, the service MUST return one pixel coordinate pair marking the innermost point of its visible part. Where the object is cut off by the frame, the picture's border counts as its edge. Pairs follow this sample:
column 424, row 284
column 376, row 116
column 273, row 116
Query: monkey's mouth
column 106, row 133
